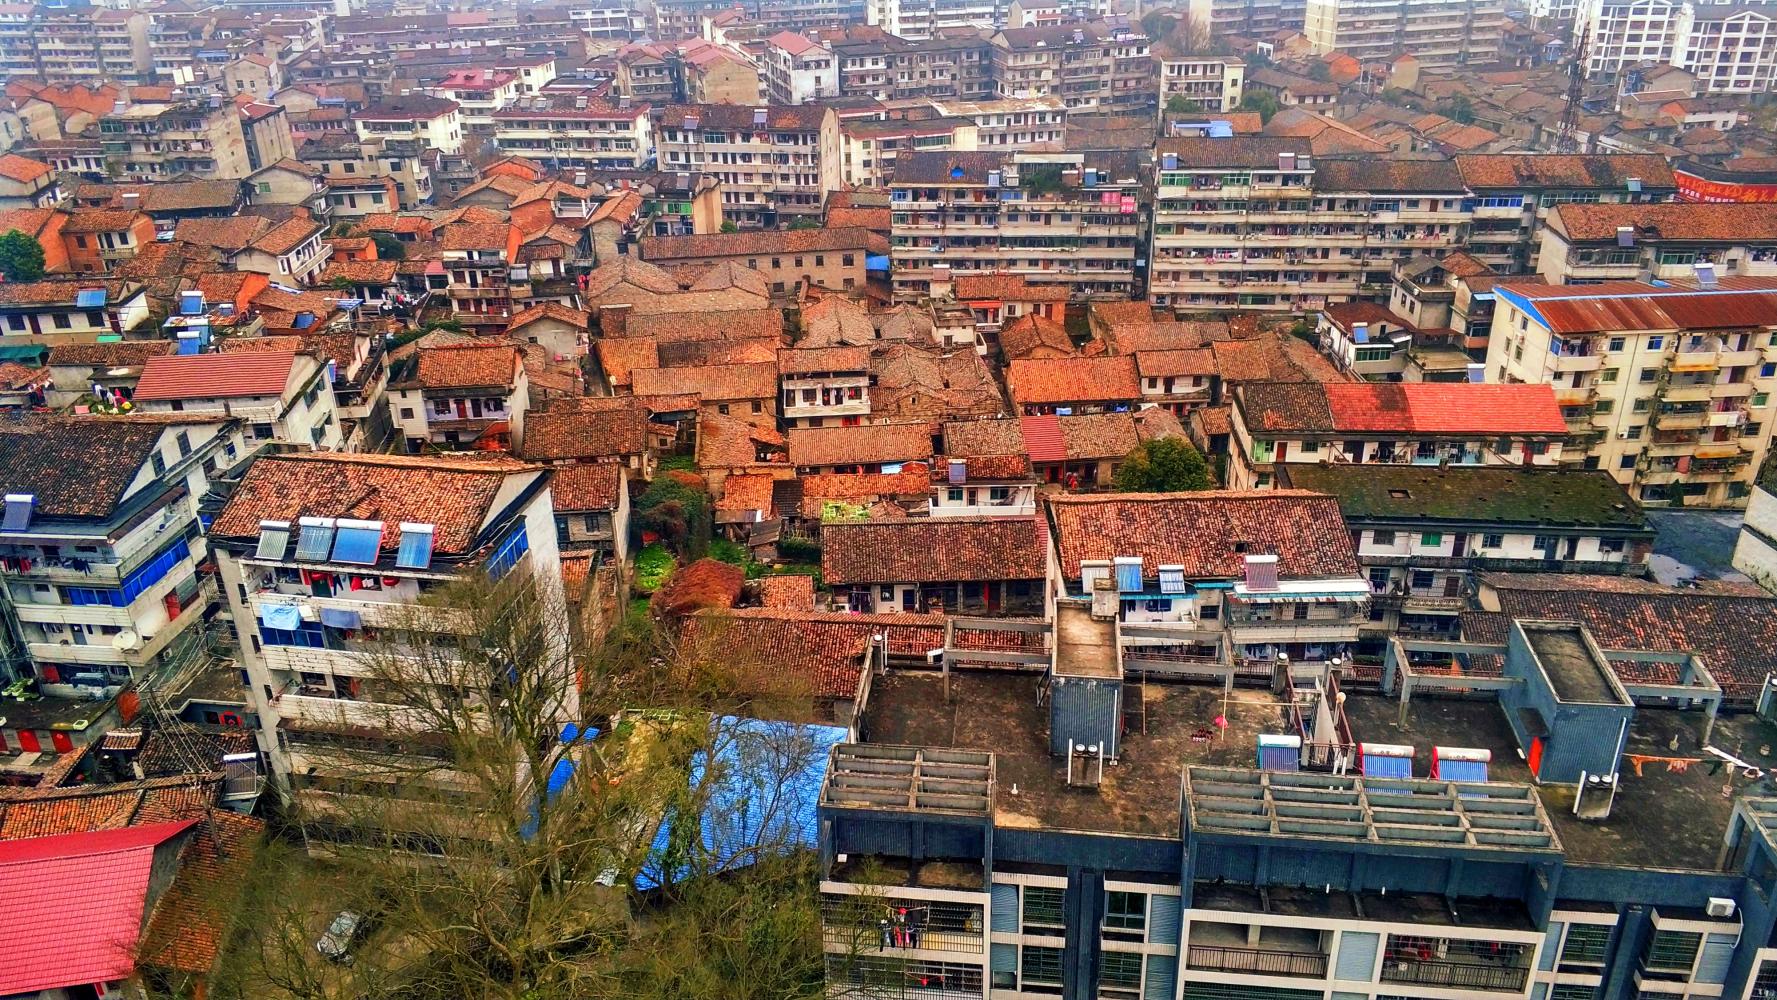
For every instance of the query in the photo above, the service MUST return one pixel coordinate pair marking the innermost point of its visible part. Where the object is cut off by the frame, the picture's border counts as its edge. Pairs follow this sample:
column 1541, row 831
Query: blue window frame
column 309, row 636
column 357, row 542
column 507, row 553
column 415, row 551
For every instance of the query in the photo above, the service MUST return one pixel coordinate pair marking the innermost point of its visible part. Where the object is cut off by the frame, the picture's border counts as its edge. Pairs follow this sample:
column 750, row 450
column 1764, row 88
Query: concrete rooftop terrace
column 1672, row 815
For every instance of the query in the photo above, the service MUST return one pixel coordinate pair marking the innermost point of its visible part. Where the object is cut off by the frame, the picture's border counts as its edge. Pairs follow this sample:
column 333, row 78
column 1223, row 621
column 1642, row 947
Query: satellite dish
column 127, row 640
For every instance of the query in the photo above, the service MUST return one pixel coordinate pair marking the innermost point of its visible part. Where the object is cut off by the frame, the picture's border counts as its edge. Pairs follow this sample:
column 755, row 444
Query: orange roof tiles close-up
column 214, row 376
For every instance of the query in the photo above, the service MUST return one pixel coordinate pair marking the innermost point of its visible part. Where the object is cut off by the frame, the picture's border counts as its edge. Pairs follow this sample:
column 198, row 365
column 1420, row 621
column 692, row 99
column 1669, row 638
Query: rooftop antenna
column 1566, row 132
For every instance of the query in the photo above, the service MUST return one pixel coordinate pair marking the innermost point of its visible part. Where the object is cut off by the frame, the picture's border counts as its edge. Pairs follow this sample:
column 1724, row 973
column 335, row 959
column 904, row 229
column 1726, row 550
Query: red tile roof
column 1401, row 407
column 463, row 366
column 865, row 444
column 706, row 583
column 787, row 592
column 1208, row 533
column 14, row 167
column 214, row 376
column 550, row 310
column 553, row 435
column 1071, row 380
column 1042, row 438
column 192, row 920
column 588, row 486
column 96, row 882
column 914, row 480
column 932, row 550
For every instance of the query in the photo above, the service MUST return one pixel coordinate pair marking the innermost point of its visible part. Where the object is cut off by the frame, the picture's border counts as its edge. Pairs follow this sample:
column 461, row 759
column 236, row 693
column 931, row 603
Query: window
column 1608, row 375
column 63, row 321
column 1120, row 974
column 1634, row 432
column 1640, row 405
column 1042, row 908
column 1654, row 343
column 1126, row 911
column 407, row 413
column 1675, row 950
column 1616, row 344
column 1422, row 579
column 954, row 495
column 159, row 464
column 1493, row 541
column 1382, row 537
column 1604, row 406
column 1431, row 539
column 1041, row 967
column 1759, row 399
column 1767, row 369
column 1647, row 375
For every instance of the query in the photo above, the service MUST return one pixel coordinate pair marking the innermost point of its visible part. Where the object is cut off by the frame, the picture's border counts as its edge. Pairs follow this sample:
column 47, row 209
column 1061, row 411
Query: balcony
column 1255, row 631
column 1455, row 975
column 1566, row 395
column 1257, row 961
column 1695, row 361
column 901, row 926
column 1681, row 419
column 1686, row 392
column 1577, row 362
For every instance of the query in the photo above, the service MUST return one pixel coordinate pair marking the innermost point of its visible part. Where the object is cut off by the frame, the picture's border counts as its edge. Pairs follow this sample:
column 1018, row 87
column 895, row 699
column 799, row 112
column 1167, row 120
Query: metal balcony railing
column 1257, row 961
column 1455, row 975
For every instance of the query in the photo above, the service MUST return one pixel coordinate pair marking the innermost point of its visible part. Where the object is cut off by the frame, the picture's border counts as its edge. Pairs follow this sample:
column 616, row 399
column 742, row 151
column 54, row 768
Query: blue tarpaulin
column 876, row 262
column 760, row 792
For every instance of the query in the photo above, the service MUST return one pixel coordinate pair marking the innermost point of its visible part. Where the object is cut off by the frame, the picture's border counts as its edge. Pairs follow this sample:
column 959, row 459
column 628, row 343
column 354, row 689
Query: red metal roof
column 1042, row 438
column 1445, row 408
column 212, row 376
column 95, row 886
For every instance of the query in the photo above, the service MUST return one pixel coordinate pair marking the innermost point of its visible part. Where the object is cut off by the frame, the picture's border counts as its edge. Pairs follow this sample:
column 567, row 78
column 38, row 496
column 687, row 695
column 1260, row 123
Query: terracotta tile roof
column 1405, row 407
column 823, row 650
column 555, row 435
column 879, row 220
column 181, row 196
column 232, row 233
column 762, row 242
column 1070, row 380
column 461, row 366
column 734, row 324
column 101, row 220
column 1735, row 635
column 807, row 360
column 361, row 272
column 1382, row 175
column 698, row 353
column 739, row 117
column 627, row 270
column 505, row 184
column 914, row 480
column 192, row 920
column 865, row 444
column 408, row 107
column 61, row 292
column 550, row 310
column 1208, row 533
column 1674, row 221
column 727, row 274
column 476, row 236
column 1214, row 419
column 214, row 376
column 1273, row 358
column 706, row 583
column 118, row 354
column 1091, row 436
column 1032, row 337
column 287, row 235
column 1241, row 151
column 1495, row 494
column 30, row 221
column 787, row 592
column 1162, row 364
column 715, row 384
column 390, row 222
column 621, row 356
column 932, row 549
column 455, row 495
column 1564, row 170
column 275, row 344
column 746, row 492
column 981, row 438
column 728, row 442
column 23, row 169
column 1005, row 288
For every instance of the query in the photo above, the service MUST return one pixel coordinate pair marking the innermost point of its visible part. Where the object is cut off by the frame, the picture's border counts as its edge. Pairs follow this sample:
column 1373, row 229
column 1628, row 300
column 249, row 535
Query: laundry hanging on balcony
column 341, row 618
column 280, row 616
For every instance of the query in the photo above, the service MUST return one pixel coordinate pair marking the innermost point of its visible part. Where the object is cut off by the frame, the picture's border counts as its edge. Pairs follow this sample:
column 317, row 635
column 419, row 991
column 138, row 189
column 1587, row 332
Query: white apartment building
column 775, row 163
column 312, row 573
column 1249, row 18
column 576, row 132
column 1668, row 388
column 99, row 550
column 1582, row 244
column 1514, row 192
column 871, row 146
column 1212, row 83
column 1032, row 124
column 921, row 19
column 1731, row 48
column 478, row 93
column 284, row 398
column 1436, row 32
column 433, row 122
column 798, row 69
column 824, row 386
column 609, row 19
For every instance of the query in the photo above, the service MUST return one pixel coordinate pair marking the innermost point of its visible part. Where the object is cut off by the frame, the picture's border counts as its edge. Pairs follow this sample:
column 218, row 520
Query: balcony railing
column 1258, row 961
column 1456, row 975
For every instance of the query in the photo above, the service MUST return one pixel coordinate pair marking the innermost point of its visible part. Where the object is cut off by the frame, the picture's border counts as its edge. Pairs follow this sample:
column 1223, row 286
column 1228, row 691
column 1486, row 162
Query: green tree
column 388, row 247
column 805, row 222
column 1163, row 465
column 1261, row 101
column 1179, row 104
column 730, row 227
column 678, row 512
column 1320, row 72
column 21, row 256
column 1458, row 109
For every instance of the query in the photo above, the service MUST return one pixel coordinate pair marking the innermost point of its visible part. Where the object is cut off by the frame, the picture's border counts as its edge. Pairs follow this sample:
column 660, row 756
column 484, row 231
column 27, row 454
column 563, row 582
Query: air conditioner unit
column 1719, row 907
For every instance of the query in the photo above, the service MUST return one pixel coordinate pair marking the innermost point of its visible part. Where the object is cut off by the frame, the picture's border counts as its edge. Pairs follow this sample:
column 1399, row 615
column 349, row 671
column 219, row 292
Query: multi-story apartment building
column 577, row 132
column 1249, row 18
column 1036, row 124
column 1436, row 32
column 432, row 122
column 458, row 396
column 478, row 93
column 478, row 258
column 18, row 52
column 1424, row 533
column 1257, row 222
column 1091, row 65
column 91, row 47
column 1210, row 83
column 924, row 19
column 798, row 69
column 1583, row 244
column 1071, row 219
column 889, row 68
column 310, row 572
column 775, row 163
column 819, row 384
column 870, row 145
column 645, row 72
column 684, row 18
column 1730, row 48
column 71, row 311
column 717, row 74
column 161, row 141
column 99, row 556
column 608, row 19
column 1513, row 193
column 1404, row 423
column 284, row 398
column 834, row 257
column 1667, row 388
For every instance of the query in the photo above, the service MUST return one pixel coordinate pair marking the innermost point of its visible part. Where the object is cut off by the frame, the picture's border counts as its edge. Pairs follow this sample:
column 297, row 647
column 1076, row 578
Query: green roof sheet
column 1485, row 494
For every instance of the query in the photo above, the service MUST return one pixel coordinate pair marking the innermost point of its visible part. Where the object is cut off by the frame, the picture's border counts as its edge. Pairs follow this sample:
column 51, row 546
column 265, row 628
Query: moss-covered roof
column 1484, row 494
